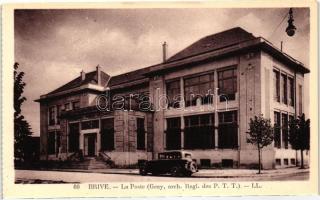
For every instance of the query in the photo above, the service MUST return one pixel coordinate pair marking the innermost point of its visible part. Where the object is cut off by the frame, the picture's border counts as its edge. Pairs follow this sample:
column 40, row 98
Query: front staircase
column 97, row 163
column 78, row 161
column 87, row 163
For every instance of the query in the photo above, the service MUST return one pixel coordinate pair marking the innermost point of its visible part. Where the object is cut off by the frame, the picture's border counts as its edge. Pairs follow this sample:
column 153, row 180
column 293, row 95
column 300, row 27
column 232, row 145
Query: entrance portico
column 90, row 142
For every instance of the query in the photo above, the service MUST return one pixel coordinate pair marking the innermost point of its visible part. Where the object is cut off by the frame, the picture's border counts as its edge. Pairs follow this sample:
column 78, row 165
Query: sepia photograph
column 144, row 96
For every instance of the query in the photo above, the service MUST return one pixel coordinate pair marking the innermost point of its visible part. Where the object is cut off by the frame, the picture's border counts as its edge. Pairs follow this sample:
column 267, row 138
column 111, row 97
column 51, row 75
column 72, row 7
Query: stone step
column 98, row 164
column 76, row 165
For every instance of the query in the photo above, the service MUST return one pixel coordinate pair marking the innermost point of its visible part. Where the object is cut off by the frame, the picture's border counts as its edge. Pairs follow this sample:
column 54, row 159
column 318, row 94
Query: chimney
column 164, row 51
column 82, row 75
column 98, row 74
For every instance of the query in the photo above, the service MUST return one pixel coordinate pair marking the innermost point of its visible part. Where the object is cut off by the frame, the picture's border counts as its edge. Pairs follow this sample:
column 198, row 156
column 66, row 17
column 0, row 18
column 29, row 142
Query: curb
column 197, row 175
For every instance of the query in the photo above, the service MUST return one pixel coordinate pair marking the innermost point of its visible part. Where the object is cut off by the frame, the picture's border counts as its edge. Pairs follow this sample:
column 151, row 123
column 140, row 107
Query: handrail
column 71, row 156
column 104, row 156
column 77, row 155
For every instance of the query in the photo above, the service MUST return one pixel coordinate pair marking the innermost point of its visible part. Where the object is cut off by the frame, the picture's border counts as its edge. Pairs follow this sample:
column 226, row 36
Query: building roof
column 220, row 44
column 133, row 78
column 128, row 77
column 213, row 42
column 229, row 42
column 90, row 77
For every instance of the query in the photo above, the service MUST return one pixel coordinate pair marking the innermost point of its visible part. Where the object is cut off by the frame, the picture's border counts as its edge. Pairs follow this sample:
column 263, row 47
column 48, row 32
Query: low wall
column 128, row 158
column 250, row 158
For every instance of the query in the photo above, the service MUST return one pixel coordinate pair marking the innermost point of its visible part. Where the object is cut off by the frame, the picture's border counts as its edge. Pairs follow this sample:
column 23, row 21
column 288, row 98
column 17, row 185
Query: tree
column 261, row 134
column 22, row 128
column 299, row 135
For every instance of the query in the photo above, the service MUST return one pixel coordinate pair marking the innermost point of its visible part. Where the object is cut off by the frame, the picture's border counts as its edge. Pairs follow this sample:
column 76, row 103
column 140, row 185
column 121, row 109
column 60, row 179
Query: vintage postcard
column 160, row 99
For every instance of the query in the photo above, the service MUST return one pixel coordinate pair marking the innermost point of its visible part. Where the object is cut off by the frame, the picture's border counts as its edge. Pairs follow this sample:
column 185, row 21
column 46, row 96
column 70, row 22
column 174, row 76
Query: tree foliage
column 21, row 127
column 299, row 135
column 261, row 134
column 260, row 131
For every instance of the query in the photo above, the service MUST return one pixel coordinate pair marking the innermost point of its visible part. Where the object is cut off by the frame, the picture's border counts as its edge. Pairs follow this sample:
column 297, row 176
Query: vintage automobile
column 176, row 163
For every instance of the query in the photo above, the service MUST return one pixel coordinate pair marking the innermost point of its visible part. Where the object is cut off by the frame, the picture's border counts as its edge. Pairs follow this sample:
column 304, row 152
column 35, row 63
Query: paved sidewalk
column 234, row 173
column 212, row 173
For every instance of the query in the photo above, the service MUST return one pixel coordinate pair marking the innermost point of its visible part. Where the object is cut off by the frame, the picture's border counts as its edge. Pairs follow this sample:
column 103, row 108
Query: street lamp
column 291, row 29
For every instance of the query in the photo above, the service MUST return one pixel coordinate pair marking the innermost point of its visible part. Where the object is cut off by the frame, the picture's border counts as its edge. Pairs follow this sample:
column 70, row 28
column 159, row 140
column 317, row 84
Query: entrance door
column 90, row 144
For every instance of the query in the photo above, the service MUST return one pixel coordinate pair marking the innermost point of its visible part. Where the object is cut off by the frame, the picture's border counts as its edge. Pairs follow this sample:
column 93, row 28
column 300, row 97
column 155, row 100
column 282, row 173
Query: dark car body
column 176, row 163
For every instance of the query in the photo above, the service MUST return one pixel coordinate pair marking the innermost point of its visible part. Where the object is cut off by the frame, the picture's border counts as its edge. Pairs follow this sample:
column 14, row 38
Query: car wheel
column 175, row 171
column 193, row 168
column 143, row 171
column 188, row 174
column 155, row 173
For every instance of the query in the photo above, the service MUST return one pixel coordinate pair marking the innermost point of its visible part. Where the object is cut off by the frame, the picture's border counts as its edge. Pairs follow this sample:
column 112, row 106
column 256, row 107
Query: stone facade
column 253, row 61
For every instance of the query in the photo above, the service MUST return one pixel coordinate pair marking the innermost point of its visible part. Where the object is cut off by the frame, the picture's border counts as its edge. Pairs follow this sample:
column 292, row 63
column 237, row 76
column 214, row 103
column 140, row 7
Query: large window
column 199, row 132
column 58, row 113
column 73, row 139
column 173, row 134
column 228, row 130
column 75, row 105
column 284, row 89
column 285, row 138
column 277, row 130
column 107, row 134
column 90, row 124
column 300, row 99
column 67, row 106
column 51, row 142
column 140, row 134
column 227, row 84
column 52, row 115
column 290, row 91
column 58, row 141
column 291, row 118
column 199, row 89
column 276, row 85
column 173, row 93
column 54, row 142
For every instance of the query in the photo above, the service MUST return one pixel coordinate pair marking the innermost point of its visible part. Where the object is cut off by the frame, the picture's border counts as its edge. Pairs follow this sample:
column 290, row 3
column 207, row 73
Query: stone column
column 181, row 117
column 281, row 145
column 182, row 131
column 98, row 140
column 215, row 102
column 81, row 146
column 125, row 131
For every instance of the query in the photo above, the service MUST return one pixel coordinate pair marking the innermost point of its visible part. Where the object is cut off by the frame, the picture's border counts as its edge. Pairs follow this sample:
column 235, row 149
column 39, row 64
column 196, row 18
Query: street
column 31, row 176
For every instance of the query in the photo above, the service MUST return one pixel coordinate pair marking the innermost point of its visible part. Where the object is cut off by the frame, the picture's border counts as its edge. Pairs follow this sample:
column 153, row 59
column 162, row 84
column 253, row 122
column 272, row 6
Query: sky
column 53, row 46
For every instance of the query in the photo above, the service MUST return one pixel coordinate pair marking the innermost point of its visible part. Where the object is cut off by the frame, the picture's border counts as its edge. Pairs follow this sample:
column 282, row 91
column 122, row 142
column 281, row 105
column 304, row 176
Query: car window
column 172, row 155
column 187, row 155
column 162, row 156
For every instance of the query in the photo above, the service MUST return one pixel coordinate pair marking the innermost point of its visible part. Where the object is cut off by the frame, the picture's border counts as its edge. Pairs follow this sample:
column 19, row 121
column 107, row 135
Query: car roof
column 175, row 151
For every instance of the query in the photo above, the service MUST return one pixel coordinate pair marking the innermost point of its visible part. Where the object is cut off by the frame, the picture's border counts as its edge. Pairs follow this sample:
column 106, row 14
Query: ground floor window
column 54, row 142
column 199, row 132
column 205, row 163
column 140, row 134
column 51, row 142
column 277, row 130
column 58, row 141
column 73, row 138
column 285, row 137
column 173, row 133
column 228, row 130
column 107, row 134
